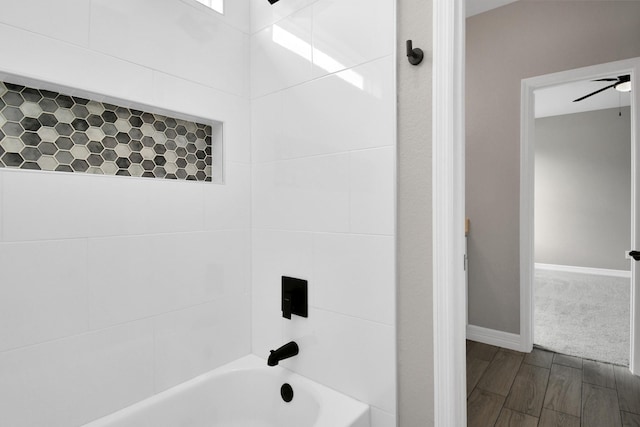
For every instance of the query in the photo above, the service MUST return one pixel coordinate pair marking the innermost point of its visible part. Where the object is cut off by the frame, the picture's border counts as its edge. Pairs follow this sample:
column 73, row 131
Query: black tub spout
column 288, row 350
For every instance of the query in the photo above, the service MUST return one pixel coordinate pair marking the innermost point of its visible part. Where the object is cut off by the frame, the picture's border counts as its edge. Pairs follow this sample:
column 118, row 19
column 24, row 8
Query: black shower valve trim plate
column 294, row 297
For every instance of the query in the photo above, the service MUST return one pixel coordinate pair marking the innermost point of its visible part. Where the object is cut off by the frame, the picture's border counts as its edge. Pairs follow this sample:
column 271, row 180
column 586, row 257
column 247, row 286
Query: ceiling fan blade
column 593, row 93
column 611, row 79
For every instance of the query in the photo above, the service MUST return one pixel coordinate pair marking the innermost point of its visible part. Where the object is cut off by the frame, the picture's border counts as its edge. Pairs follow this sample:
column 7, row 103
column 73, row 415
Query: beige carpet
column 582, row 315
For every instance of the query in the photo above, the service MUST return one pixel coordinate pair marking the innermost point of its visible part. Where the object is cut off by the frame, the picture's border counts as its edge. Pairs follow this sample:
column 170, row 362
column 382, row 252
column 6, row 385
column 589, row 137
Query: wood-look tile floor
column 506, row 388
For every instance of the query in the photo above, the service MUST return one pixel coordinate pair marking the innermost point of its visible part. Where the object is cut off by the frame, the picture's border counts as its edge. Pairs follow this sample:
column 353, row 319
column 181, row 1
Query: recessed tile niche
column 46, row 130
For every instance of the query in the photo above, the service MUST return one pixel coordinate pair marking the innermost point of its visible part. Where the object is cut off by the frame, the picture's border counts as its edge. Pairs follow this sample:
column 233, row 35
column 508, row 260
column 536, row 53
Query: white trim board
column 583, row 270
column 449, row 317
column 497, row 338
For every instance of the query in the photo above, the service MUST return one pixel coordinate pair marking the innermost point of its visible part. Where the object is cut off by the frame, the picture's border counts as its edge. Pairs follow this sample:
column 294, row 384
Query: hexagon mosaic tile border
column 45, row 130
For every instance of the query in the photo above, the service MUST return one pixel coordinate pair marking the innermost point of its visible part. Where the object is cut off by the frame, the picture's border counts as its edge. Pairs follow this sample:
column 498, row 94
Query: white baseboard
column 497, row 338
column 584, row 270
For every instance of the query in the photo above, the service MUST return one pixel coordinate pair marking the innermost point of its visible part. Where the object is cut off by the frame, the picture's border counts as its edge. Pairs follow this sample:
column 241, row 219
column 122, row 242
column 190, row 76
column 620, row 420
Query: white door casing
column 449, row 293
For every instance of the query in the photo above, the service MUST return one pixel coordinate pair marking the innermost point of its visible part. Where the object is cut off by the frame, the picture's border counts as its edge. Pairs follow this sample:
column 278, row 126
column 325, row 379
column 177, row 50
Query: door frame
column 527, row 188
column 449, row 292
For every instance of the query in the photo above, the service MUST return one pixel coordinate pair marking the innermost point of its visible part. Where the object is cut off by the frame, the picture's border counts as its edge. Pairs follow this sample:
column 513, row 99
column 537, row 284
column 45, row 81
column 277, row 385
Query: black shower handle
column 635, row 255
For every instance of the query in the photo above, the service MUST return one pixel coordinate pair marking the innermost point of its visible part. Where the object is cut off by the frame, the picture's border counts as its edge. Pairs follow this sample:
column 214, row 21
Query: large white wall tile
column 148, row 275
column 354, row 356
column 73, row 67
column 42, row 205
column 142, row 206
column 350, row 32
column 354, row 275
column 266, row 128
column 195, row 45
column 266, row 324
column 237, row 13
column 353, row 109
column 51, row 205
column 236, row 130
column 193, row 341
column 372, row 185
column 280, row 253
column 72, row 381
column 309, row 194
column 44, row 285
column 264, row 14
column 382, row 419
column 66, row 20
column 281, row 54
column 228, row 205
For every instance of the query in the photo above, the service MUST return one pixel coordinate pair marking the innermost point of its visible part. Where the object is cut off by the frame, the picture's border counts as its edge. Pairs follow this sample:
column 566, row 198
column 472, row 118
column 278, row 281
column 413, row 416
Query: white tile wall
column 354, row 275
column 72, row 66
column 281, row 54
column 143, row 276
column 288, row 126
column 172, row 37
column 363, row 117
column 279, row 253
column 340, row 41
column 71, row 381
column 305, row 194
column 237, row 13
column 315, row 150
column 72, row 26
column 372, row 191
column 323, row 190
column 44, row 206
column 350, row 274
column 266, row 325
column 93, row 268
column 267, row 119
column 43, row 285
column 382, row 419
column 188, row 341
column 263, row 14
column 228, row 206
column 349, row 354
column 88, row 206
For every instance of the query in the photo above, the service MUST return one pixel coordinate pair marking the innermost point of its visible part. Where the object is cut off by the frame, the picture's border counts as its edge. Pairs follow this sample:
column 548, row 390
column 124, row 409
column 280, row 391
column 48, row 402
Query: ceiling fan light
column 623, row 87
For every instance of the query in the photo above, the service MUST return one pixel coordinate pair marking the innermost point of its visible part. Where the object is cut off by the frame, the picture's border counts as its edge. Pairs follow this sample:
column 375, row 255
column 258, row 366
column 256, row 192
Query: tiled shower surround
column 45, row 130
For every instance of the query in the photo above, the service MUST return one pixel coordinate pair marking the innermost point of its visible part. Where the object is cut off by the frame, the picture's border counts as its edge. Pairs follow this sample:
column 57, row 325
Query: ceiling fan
column 622, row 84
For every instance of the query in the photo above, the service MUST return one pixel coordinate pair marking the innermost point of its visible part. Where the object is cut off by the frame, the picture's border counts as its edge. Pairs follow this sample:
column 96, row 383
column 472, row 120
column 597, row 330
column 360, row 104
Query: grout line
column 314, row 79
column 124, row 60
column 149, row 318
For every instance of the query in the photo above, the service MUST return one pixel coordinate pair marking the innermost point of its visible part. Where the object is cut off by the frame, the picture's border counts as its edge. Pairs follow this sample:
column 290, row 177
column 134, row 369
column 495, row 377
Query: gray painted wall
column 583, row 189
column 414, row 221
column 504, row 46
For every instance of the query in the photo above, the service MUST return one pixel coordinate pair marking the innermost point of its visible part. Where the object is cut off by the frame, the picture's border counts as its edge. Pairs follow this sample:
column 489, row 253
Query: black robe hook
column 414, row 55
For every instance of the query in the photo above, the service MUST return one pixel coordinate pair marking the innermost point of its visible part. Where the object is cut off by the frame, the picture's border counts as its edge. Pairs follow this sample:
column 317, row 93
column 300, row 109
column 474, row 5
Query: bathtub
column 243, row 393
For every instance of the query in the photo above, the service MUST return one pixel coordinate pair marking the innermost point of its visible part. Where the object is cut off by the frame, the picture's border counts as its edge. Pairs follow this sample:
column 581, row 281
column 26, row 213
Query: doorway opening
column 582, row 220
column 573, row 237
